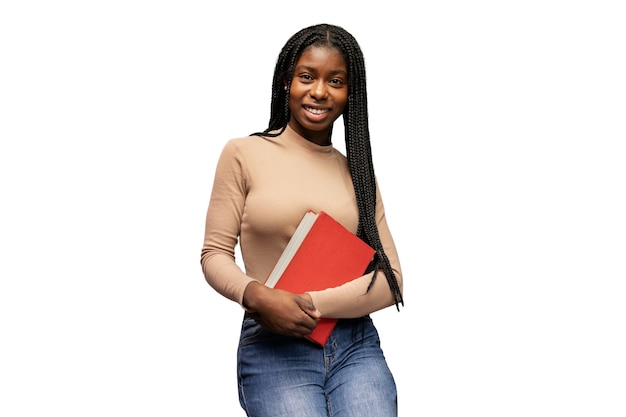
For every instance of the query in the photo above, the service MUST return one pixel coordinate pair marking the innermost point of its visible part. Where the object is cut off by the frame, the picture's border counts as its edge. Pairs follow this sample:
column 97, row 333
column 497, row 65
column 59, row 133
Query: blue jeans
column 281, row 376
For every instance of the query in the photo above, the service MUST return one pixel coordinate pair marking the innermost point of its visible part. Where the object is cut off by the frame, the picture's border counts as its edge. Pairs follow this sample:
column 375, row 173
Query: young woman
column 263, row 185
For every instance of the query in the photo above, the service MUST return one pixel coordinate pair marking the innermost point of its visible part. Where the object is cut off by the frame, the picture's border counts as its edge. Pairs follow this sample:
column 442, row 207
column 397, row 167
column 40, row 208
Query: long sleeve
column 353, row 299
column 222, row 227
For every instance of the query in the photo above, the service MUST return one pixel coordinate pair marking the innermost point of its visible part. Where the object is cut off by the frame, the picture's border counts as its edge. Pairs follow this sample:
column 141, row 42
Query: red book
column 321, row 254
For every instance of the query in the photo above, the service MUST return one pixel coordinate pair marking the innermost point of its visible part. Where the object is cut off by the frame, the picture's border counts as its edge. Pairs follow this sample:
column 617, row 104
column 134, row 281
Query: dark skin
column 317, row 97
column 318, row 93
column 281, row 311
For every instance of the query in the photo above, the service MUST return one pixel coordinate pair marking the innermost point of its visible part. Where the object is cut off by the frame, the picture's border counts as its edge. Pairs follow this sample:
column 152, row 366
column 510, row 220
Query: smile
column 316, row 111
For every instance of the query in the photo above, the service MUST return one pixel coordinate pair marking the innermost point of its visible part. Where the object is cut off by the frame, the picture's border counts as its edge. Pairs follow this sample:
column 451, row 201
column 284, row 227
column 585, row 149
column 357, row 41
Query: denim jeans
column 282, row 376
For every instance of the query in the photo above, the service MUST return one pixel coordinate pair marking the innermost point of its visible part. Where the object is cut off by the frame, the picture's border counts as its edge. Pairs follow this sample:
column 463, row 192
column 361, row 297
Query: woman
column 263, row 185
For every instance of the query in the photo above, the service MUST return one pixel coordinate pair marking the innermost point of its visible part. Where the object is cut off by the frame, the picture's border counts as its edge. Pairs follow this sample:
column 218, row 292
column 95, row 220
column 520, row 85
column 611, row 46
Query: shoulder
column 247, row 152
column 248, row 144
column 339, row 155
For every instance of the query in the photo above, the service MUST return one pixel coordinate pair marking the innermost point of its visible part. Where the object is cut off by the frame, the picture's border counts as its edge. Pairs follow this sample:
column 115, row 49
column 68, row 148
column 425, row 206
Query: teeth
column 316, row 111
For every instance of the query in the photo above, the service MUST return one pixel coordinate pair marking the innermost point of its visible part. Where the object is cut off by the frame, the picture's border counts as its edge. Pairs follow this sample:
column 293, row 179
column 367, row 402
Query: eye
column 305, row 77
column 337, row 82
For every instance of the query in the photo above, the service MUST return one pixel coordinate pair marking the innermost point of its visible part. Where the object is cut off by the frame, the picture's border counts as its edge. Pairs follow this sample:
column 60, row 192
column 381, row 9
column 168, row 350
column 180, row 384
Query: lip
column 316, row 113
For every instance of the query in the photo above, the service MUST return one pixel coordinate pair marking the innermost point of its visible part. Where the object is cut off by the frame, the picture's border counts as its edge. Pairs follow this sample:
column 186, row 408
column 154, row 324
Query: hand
column 281, row 311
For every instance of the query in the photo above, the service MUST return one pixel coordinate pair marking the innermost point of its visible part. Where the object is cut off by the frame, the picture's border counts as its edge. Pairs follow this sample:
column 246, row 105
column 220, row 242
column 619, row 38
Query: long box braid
column 356, row 125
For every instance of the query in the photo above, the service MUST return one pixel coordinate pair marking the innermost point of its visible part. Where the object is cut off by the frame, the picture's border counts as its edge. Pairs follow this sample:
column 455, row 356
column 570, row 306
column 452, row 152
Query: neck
column 322, row 138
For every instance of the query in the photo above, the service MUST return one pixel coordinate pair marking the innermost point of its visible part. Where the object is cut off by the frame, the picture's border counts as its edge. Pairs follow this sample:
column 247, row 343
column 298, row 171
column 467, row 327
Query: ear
column 286, row 82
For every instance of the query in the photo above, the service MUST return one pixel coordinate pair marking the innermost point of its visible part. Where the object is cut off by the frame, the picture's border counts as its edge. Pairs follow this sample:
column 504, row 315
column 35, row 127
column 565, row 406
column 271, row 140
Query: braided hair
column 356, row 126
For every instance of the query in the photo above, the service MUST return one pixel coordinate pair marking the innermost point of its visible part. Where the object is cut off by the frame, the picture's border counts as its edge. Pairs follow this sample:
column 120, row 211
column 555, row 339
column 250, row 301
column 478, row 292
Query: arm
column 353, row 299
column 222, row 226
column 278, row 311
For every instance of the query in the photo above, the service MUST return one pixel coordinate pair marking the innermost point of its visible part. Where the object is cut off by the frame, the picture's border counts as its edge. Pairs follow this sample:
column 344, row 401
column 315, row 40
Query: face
column 318, row 94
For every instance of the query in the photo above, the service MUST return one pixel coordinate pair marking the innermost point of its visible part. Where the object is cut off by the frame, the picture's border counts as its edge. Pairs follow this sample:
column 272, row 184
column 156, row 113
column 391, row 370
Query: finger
column 308, row 322
column 308, row 308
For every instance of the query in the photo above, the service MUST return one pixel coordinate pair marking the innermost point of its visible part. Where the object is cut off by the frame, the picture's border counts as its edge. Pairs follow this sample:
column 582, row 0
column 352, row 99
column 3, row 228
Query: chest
column 279, row 192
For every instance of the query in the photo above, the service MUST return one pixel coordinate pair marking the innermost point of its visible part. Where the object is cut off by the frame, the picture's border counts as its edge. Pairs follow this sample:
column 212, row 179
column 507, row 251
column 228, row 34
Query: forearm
column 221, row 272
column 353, row 299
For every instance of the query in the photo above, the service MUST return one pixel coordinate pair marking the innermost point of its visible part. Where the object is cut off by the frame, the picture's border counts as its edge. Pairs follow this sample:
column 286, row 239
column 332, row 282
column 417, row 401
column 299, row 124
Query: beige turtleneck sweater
column 262, row 188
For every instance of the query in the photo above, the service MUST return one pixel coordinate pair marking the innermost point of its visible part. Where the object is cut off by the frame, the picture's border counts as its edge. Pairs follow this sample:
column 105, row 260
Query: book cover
column 321, row 254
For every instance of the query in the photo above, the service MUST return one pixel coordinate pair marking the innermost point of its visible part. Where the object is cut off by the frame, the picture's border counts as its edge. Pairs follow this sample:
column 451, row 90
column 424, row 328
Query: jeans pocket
column 251, row 332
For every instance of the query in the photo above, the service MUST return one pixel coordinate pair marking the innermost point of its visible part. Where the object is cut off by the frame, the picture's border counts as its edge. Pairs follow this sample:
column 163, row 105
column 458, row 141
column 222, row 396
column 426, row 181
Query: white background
column 498, row 132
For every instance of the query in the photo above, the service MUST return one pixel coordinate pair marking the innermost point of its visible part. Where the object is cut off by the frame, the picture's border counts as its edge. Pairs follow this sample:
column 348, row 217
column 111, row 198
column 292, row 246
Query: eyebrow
column 311, row 69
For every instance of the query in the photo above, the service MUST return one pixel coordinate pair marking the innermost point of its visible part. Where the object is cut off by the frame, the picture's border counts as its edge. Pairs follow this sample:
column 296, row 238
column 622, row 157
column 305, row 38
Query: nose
column 319, row 90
